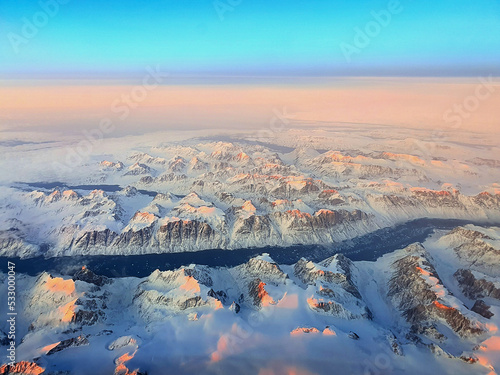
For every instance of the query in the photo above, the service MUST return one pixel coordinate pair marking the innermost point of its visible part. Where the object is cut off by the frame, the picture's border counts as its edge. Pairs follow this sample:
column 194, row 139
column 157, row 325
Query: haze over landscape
column 249, row 187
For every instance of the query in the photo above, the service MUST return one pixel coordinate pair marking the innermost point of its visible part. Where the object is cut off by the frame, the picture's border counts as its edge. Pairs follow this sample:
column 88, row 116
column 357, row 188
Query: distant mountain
column 233, row 195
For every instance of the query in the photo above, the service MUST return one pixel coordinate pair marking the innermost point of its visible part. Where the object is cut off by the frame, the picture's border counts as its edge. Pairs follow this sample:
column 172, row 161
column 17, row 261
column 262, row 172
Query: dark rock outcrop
column 474, row 288
column 418, row 302
column 84, row 274
column 482, row 309
column 21, row 368
column 69, row 343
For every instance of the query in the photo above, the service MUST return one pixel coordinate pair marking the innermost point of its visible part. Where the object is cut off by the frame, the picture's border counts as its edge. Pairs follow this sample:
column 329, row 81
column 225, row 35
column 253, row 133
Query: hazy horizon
column 73, row 105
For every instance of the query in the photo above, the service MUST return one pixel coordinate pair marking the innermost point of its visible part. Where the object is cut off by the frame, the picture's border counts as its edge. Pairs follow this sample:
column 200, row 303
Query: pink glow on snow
column 59, row 285
column 290, row 302
column 190, row 284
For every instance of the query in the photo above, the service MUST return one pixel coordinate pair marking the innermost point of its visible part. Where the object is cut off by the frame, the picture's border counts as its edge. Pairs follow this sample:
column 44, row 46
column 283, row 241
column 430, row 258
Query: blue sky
column 95, row 38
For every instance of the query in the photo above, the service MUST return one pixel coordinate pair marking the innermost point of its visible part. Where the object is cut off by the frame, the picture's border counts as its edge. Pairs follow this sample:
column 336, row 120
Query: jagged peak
column 408, row 157
column 88, row 276
column 144, row 157
column 416, row 248
column 431, row 192
column 259, row 294
column 261, row 267
column 129, row 191
column 47, row 282
column 265, row 257
column 97, row 194
column 194, row 200
column 337, row 263
column 164, row 198
column 144, row 217
column 304, row 330
column 177, row 279
column 468, row 233
column 22, row 367
column 242, row 157
column 112, row 165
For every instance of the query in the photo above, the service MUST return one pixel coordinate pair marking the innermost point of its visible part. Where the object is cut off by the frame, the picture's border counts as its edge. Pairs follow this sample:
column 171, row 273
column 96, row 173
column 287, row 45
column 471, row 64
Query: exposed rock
column 429, row 331
column 109, row 165
column 220, row 295
column 130, row 191
column 308, row 273
column 138, row 169
column 84, row 274
column 188, row 234
column 69, row 343
column 190, row 303
column 394, row 344
column 254, row 229
column 474, row 288
column 303, row 330
column 83, row 317
column 482, row 309
column 121, row 342
column 94, row 239
column 418, row 301
column 261, row 268
column 331, row 308
column 438, row 351
column 21, row 368
column 143, row 157
column 12, row 242
column 258, row 293
column 235, row 307
column 471, row 359
column 473, row 249
column 353, row 335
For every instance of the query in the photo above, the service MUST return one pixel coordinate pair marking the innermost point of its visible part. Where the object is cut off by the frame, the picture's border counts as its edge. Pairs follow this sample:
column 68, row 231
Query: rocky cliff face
column 22, row 368
column 334, row 290
column 417, row 292
column 475, row 288
column 474, row 248
column 239, row 228
column 69, row 343
column 182, row 234
column 12, row 242
column 93, row 239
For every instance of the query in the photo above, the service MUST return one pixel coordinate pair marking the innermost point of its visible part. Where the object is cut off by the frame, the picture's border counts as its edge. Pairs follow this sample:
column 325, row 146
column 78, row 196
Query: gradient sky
column 96, row 38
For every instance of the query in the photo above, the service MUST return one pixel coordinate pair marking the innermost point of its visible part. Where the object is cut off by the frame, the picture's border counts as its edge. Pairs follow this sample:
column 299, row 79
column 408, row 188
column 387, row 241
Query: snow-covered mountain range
column 431, row 303
column 434, row 303
column 231, row 195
